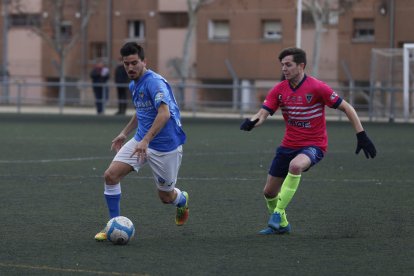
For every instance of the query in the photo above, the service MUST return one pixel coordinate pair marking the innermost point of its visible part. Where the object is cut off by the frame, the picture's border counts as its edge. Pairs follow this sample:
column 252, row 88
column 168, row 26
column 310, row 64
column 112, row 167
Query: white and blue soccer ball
column 120, row 230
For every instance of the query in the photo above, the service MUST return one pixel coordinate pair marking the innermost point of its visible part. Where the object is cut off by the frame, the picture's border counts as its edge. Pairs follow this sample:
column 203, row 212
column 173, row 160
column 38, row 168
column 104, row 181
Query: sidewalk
column 108, row 111
column 185, row 114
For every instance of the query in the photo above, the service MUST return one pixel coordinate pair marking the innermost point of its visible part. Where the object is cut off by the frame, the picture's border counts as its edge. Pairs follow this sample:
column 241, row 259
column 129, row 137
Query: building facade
column 369, row 25
column 235, row 41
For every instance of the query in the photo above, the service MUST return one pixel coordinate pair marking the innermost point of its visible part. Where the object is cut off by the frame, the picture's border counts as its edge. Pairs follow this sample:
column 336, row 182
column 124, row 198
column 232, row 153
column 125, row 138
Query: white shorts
column 164, row 165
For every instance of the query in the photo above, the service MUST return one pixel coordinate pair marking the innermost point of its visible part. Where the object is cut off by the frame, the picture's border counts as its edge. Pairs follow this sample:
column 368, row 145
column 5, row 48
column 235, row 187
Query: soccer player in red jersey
column 302, row 100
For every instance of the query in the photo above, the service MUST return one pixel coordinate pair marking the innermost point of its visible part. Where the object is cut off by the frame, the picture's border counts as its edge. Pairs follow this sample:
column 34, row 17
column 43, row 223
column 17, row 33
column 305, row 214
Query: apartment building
column 234, row 39
column 368, row 25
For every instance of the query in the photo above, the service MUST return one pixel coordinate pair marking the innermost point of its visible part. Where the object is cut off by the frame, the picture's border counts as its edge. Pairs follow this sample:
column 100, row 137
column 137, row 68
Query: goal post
column 408, row 56
column 392, row 83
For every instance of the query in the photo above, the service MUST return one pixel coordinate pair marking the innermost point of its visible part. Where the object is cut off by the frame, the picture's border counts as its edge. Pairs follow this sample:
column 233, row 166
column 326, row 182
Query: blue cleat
column 274, row 221
column 271, row 231
column 267, row 231
column 284, row 230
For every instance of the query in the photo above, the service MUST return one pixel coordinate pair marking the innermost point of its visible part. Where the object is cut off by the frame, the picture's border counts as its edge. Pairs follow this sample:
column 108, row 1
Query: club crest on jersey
column 141, row 94
column 309, row 97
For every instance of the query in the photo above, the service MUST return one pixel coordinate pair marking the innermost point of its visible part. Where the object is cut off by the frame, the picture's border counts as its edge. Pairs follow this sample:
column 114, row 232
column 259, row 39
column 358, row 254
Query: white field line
column 60, row 270
column 91, row 158
column 220, row 179
column 53, row 160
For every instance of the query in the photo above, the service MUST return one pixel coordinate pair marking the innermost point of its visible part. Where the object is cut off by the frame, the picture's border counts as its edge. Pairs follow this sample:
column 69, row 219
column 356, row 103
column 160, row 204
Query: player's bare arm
column 119, row 140
column 262, row 115
column 160, row 120
column 352, row 115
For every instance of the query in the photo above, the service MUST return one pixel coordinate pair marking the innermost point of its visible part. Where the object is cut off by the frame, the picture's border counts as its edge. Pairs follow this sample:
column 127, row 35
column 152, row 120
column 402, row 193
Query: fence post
column 62, row 92
column 194, row 100
column 19, row 96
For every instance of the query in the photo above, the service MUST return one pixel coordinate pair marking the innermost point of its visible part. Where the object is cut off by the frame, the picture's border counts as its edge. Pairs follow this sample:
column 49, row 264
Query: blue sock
column 182, row 201
column 113, row 203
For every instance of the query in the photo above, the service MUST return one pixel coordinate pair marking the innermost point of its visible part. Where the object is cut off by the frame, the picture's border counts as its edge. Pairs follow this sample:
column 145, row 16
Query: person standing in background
column 121, row 80
column 99, row 76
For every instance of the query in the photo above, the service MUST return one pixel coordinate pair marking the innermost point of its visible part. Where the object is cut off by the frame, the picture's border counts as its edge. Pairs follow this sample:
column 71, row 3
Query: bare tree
column 51, row 29
column 193, row 8
column 321, row 11
column 182, row 66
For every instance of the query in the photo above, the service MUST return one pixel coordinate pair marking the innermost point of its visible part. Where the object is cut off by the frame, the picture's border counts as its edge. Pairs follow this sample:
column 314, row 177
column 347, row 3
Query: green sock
column 283, row 221
column 271, row 203
column 287, row 191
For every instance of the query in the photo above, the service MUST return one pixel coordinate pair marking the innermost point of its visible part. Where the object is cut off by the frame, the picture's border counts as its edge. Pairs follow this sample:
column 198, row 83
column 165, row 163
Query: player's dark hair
column 132, row 48
column 299, row 56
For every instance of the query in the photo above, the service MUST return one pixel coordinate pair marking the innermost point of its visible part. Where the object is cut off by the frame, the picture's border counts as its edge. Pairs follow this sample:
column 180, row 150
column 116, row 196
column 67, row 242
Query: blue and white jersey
column 147, row 94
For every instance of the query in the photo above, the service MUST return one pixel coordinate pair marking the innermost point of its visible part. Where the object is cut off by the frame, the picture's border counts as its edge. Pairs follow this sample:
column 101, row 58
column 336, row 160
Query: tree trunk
column 317, row 46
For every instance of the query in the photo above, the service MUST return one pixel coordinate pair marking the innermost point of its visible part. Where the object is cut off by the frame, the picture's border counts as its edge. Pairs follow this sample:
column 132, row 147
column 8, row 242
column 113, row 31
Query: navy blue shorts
column 281, row 161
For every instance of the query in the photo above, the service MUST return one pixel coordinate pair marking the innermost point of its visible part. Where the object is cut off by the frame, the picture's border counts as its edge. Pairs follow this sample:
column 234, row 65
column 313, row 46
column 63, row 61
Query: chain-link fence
column 374, row 104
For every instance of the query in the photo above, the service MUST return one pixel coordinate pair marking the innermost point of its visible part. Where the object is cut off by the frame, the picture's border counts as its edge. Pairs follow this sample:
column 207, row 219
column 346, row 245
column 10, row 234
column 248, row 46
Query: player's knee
column 295, row 168
column 110, row 178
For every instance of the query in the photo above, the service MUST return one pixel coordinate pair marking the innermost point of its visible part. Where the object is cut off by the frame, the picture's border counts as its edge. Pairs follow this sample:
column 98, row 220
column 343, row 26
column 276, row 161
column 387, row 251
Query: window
column 66, row 30
column 136, row 29
column 219, row 30
column 173, row 20
column 98, row 50
column 272, row 30
column 307, row 18
column 364, row 30
column 24, row 20
column 328, row 18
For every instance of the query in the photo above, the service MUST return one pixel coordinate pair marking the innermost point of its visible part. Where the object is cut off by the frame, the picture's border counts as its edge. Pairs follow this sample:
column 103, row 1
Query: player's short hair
column 132, row 48
column 299, row 56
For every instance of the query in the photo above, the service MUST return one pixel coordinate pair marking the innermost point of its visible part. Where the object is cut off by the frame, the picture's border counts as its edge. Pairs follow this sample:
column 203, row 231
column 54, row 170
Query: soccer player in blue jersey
column 157, row 141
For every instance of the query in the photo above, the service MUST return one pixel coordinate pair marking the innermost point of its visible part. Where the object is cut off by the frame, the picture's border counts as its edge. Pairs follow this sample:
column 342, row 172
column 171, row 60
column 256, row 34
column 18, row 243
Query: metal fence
column 196, row 100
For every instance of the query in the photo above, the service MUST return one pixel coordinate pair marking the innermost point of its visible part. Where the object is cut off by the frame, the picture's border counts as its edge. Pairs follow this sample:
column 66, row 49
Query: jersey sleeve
column 271, row 102
column 159, row 92
column 330, row 97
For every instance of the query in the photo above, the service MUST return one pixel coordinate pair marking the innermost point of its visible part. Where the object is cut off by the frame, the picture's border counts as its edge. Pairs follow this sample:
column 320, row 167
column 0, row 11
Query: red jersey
column 303, row 109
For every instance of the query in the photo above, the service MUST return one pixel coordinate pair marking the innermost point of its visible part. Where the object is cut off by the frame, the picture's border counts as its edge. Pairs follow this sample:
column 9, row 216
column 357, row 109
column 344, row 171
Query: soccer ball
column 120, row 230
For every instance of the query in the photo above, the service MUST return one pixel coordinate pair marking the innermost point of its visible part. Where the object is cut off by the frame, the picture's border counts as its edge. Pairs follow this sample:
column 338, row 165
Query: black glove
column 248, row 125
column 366, row 144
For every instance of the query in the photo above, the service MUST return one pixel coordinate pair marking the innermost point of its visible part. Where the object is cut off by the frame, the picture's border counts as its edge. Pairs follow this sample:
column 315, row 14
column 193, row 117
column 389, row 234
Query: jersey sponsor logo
column 291, row 99
column 143, row 104
column 333, row 95
column 302, row 124
column 294, row 99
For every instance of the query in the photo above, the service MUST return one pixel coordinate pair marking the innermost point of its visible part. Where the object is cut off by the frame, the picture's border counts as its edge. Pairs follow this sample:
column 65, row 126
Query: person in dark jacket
column 121, row 81
column 99, row 76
